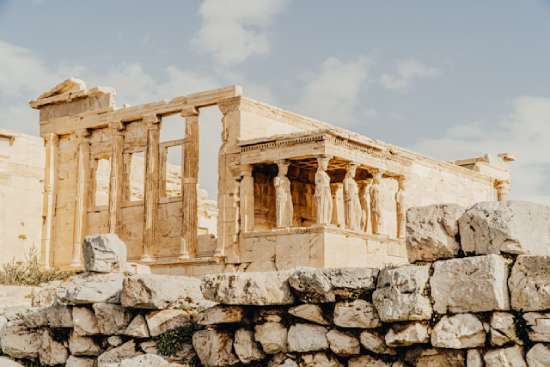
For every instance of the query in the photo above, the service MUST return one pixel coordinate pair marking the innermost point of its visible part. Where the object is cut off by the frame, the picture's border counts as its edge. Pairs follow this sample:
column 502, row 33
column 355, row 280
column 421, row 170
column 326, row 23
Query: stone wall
column 476, row 294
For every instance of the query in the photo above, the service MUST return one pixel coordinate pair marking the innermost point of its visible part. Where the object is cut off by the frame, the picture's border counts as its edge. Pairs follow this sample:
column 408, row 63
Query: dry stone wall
column 455, row 305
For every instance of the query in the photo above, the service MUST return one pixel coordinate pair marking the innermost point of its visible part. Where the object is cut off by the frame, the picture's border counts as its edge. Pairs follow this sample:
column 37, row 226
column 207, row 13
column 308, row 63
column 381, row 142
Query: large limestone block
column 305, row 338
column 327, row 285
column 503, row 329
column 309, row 312
column 400, row 294
column 272, row 336
column 113, row 357
column 220, row 315
column 259, row 289
column 85, row 322
column 473, row 284
column 356, row 314
column 530, row 283
column 246, row 348
column 104, row 253
column 404, row 335
column 538, row 326
column 83, row 346
column 458, row 332
column 111, row 319
column 161, row 321
column 375, row 343
column 432, row 357
column 538, row 356
column 88, row 288
column 19, row 342
column 214, row 348
column 342, row 343
column 51, row 352
column 154, row 291
column 505, row 357
column 432, row 232
column 512, row 227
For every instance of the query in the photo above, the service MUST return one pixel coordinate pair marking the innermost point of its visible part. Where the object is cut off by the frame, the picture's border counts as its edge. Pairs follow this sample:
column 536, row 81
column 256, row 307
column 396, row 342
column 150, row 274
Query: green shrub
column 29, row 272
column 172, row 341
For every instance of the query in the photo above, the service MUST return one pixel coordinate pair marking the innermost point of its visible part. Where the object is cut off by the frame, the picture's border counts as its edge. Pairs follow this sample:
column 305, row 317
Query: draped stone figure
column 338, row 208
column 364, row 198
column 283, row 197
column 375, row 205
column 401, row 206
column 323, row 197
column 351, row 198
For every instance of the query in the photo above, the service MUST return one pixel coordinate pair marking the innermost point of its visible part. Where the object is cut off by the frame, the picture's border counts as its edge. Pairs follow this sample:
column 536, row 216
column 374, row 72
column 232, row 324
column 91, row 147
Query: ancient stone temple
column 292, row 191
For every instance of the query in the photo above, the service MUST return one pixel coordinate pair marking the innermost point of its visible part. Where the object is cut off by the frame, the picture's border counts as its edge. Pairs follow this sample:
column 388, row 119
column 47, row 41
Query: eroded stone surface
column 474, row 358
column 104, row 253
column 220, row 315
column 530, row 283
column 356, row 314
column 73, row 361
column 375, row 343
column 432, row 357
column 458, row 332
column 83, row 346
column 503, row 329
column 319, row 359
column 17, row 341
column 137, row 328
column 85, row 322
column 116, row 355
column 305, row 338
column 164, row 320
column 309, row 312
column 246, row 348
column 367, row 361
column 538, row 356
column 272, row 336
column 539, row 326
column 111, row 319
column 88, row 288
column 51, row 352
column 505, row 357
column 214, row 348
column 402, row 335
column 343, row 343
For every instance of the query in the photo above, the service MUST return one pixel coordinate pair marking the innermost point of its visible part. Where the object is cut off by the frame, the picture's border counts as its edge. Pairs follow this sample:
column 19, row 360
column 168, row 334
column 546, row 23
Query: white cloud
column 525, row 132
column 407, row 71
column 232, row 31
column 332, row 94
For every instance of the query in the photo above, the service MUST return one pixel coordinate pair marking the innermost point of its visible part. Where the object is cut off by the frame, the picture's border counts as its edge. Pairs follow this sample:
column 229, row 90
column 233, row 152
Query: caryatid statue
column 375, row 204
column 364, row 198
column 323, row 195
column 283, row 197
column 351, row 199
column 401, row 206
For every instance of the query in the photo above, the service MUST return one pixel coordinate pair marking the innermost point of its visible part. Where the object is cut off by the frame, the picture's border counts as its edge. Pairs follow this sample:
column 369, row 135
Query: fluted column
column 375, row 205
column 117, row 171
column 503, row 189
column 247, row 198
column 190, row 173
column 151, row 185
column 401, row 207
column 83, row 161
column 48, row 207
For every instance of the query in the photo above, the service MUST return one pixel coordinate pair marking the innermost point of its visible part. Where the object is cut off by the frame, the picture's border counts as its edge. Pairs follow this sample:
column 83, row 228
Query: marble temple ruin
column 292, row 191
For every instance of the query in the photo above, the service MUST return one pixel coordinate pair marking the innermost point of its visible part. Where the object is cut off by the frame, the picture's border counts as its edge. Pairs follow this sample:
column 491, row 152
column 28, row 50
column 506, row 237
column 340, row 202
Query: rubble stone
column 319, row 359
column 433, row 357
column 342, row 343
column 309, row 312
column 73, row 361
column 407, row 334
column 538, row 325
column 214, row 348
column 137, row 328
column 85, row 322
column 88, row 288
column 505, row 357
column 474, row 358
column 356, row 314
column 161, row 321
column 305, row 338
column 530, row 283
column 220, row 315
column 272, row 336
column 246, row 347
column 83, row 346
column 104, row 253
column 19, row 342
column 375, row 343
column 51, row 352
column 59, row 316
column 458, row 332
column 114, row 356
column 111, row 319
column 367, row 361
column 503, row 329
column 538, row 356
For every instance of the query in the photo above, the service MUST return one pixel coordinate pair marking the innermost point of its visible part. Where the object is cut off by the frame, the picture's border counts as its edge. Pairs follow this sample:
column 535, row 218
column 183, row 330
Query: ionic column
column 151, row 185
column 117, row 172
column 48, row 207
column 323, row 194
column 247, row 198
column 83, row 160
column 401, row 207
column 503, row 189
column 375, row 205
column 190, row 173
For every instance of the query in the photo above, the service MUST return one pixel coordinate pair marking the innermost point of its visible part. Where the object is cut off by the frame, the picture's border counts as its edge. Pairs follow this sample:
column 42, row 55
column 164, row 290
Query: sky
column 448, row 79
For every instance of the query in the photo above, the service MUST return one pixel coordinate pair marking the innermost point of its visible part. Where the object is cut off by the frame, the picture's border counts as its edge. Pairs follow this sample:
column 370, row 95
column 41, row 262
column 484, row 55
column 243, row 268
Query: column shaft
column 82, row 184
column 151, row 186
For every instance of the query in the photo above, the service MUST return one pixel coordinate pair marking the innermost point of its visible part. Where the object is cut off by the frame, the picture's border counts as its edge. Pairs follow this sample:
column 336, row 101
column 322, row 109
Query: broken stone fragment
column 272, row 336
column 114, row 356
column 104, row 253
column 511, row 356
column 458, row 332
column 88, row 288
column 512, row 227
column 85, row 322
column 375, row 343
column 17, row 341
column 303, row 338
column 220, row 315
column 530, row 283
column 344, row 344
column 472, row 284
column 111, row 319
column 214, row 348
column 246, row 348
column 538, row 325
column 260, row 289
column 137, row 328
column 309, row 312
column 432, row 357
column 161, row 321
column 400, row 294
column 83, row 346
column 503, row 329
column 356, row 314
column 538, row 356
column 51, row 352
column 403, row 335
column 432, row 232
column 114, row 341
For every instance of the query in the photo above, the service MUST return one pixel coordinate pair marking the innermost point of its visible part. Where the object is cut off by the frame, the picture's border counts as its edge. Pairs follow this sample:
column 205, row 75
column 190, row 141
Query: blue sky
column 450, row 79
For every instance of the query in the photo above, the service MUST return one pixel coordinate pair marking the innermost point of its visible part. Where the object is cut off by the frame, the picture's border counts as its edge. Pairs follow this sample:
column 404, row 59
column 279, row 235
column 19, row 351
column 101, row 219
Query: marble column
column 247, row 198
column 284, row 210
column 82, row 184
column 323, row 195
column 375, row 204
column 351, row 198
column 401, row 207
column 117, row 172
column 48, row 206
column 151, row 185
column 503, row 189
column 364, row 198
column 339, row 210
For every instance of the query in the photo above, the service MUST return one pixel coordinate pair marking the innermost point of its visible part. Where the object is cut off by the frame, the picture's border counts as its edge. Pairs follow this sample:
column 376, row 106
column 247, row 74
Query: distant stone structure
column 340, row 202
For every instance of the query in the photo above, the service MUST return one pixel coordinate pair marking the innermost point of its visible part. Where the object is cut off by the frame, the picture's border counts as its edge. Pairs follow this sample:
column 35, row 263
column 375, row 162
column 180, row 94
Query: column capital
column 503, row 189
column 229, row 105
column 117, row 125
column 189, row 111
column 151, row 120
column 82, row 134
column 246, row 170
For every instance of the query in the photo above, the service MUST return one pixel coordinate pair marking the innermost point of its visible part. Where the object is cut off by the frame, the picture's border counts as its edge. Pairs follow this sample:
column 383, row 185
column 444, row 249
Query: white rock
column 272, row 336
column 367, row 361
column 505, row 357
column 403, row 335
column 342, row 343
column 530, row 283
column 51, row 352
column 246, row 347
column 85, row 322
column 214, row 348
column 375, row 343
column 319, row 359
column 512, row 227
column 161, row 321
column 305, row 338
column 113, row 357
column 400, row 294
column 114, row 340
column 34, row 318
column 19, row 342
column 88, row 288
column 538, row 356
column 220, row 315
column 111, row 319
column 154, row 291
column 458, row 332
column 356, row 314
column 146, row 360
column 309, row 312
column 4, row 362
column 83, row 346
column 104, row 253
column 503, row 329
column 474, row 358
column 432, row 232
column 137, row 328
column 260, row 289
column 73, row 361
column 473, row 284
column 538, row 326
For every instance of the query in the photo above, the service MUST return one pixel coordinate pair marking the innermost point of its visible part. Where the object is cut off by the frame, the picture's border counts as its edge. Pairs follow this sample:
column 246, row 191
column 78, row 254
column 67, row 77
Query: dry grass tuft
column 29, row 272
